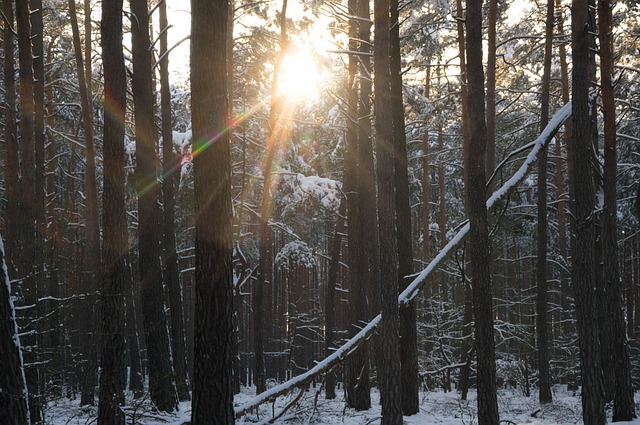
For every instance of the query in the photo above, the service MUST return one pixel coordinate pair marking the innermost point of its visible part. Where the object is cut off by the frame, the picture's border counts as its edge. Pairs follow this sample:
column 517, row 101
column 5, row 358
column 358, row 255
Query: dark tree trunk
column 161, row 376
column 426, row 183
column 170, row 164
column 442, row 207
column 544, row 379
column 408, row 335
column 623, row 403
column 464, row 90
column 116, row 242
column 132, row 342
column 357, row 382
column 467, row 341
column 13, row 388
column 479, row 245
column 566, row 293
column 390, row 389
column 11, row 159
column 92, row 231
column 332, row 282
column 584, row 226
column 27, row 207
column 490, row 156
column 212, row 387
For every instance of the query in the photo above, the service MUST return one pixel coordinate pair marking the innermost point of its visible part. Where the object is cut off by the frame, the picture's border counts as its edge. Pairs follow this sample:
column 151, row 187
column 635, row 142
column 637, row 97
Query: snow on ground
column 435, row 408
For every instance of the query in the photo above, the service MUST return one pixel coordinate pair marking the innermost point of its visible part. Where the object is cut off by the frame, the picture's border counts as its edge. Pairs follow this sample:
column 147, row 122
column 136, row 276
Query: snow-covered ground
column 435, row 408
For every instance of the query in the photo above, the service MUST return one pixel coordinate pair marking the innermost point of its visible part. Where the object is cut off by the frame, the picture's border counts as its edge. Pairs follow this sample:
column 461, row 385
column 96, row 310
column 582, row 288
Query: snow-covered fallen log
column 303, row 380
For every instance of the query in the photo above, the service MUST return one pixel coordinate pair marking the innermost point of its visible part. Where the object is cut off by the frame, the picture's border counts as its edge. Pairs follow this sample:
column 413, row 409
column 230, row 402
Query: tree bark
column 27, row 207
column 91, row 229
column 566, row 293
column 171, row 164
column 212, row 387
column 332, row 282
column 13, row 387
column 623, row 401
column 584, row 226
column 426, row 183
column 357, row 379
column 479, row 245
column 11, row 159
column 464, row 90
column 161, row 375
column 116, row 241
column 544, row 379
column 390, row 389
column 408, row 347
column 490, row 159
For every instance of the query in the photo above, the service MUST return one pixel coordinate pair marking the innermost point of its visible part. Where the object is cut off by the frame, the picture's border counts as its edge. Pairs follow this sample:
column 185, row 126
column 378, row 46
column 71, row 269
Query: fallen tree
column 303, row 380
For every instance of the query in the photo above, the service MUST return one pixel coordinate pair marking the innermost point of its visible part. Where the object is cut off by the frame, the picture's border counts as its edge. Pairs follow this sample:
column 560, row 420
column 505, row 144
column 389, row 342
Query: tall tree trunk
column 442, row 207
column 27, row 229
column 212, row 387
column 544, row 379
column 332, row 282
column 566, row 293
column 426, row 184
column 623, row 403
column 13, row 388
column 37, row 30
column 357, row 382
column 408, row 335
column 170, row 164
column 390, row 390
column 264, row 247
column 584, row 226
column 161, row 376
column 366, row 179
column 116, row 241
column 464, row 90
column 92, row 231
column 479, row 245
column 11, row 150
column 490, row 159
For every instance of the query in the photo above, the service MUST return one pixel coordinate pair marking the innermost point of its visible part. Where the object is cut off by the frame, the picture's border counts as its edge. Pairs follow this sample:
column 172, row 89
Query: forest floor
column 436, row 407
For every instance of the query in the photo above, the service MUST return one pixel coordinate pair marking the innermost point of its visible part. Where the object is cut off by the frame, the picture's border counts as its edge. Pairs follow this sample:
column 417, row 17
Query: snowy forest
column 319, row 211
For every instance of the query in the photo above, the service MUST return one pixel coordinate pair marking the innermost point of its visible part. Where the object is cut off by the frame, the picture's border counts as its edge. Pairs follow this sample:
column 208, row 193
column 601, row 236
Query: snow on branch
column 303, row 380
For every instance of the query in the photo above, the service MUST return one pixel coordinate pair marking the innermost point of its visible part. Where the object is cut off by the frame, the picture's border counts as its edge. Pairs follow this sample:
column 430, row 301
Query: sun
column 300, row 77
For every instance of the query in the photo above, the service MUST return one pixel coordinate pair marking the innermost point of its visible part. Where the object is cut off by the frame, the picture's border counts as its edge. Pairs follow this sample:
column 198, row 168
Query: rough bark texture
column 332, row 282
column 91, row 229
column 11, row 158
column 490, row 156
column 623, row 403
column 390, row 389
column 13, row 388
column 170, row 163
column 27, row 218
column 116, row 242
column 479, row 245
column 464, row 90
column 408, row 335
column 566, row 293
column 212, row 387
column 584, row 257
column 161, row 377
column 357, row 385
column 426, row 181
column 544, row 380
